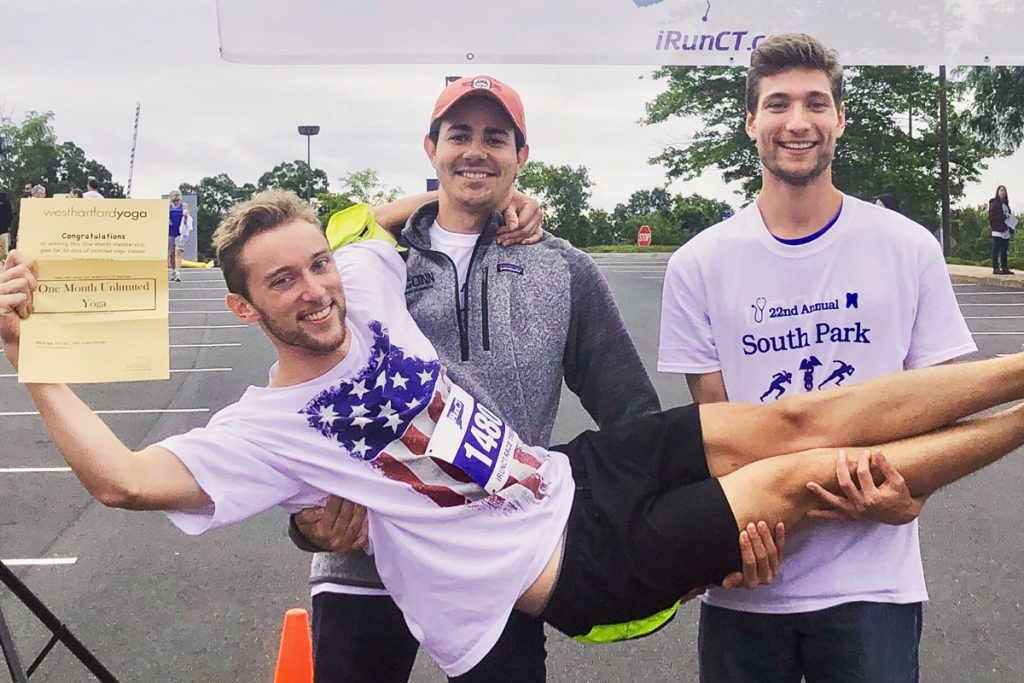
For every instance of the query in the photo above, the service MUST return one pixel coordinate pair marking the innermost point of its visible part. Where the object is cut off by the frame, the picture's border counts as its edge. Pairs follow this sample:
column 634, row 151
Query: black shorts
column 648, row 523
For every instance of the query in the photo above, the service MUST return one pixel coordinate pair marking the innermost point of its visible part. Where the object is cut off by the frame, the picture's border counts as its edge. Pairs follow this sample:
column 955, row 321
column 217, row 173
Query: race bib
column 472, row 438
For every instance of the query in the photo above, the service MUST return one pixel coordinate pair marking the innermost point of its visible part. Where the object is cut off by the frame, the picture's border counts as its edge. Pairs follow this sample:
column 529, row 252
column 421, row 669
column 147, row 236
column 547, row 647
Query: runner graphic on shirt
column 839, row 374
column 807, row 366
column 386, row 416
column 778, row 380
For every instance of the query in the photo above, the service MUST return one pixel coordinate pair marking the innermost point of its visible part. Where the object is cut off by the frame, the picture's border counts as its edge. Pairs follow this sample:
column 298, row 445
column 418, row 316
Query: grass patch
column 629, row 249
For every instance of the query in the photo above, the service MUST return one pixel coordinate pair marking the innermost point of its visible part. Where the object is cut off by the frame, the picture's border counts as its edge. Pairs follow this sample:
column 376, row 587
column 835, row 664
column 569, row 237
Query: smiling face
column 796, row 126
column 294, row 290
column 475, row 155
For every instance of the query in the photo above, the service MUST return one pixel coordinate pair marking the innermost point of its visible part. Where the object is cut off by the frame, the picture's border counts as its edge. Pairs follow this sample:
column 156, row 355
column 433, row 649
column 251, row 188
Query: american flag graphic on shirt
column 386, row 414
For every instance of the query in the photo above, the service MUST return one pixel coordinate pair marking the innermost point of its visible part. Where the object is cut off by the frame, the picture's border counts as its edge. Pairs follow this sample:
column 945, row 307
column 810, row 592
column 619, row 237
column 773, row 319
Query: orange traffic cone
column 295, row 658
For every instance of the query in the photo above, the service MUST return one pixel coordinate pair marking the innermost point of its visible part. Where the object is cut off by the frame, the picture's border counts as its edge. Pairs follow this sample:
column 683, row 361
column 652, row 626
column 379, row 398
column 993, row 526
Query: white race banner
column 648, row 32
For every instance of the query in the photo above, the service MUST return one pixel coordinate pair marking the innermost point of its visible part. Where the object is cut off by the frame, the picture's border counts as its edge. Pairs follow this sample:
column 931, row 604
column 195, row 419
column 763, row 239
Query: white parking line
column 198, row 289
column 10, row 375
column 964, row 303
column 202, row 370
column 206, row 327
column 32, row 470
column 40, row 562
column 223, row 311
column 127, row 411
column 219, row 298
column 994, row 317
column 994, row 334
column 203, row 346
column 651, row 277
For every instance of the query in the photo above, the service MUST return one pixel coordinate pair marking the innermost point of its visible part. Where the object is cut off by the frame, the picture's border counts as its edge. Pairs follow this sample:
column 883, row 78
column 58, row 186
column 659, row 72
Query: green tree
column 216, row 195
column 328, row 203
column 890, row 143
column 74, row 170
column 564, row 192
column 34, row 155
column 294, row 176
column 672, row 219
column 603, row 227
column 972, row 237
column 997, row 104
column 365, row 187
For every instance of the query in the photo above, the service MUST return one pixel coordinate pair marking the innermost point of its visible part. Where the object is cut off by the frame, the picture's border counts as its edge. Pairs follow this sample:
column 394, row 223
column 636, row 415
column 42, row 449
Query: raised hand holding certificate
column 101, row 304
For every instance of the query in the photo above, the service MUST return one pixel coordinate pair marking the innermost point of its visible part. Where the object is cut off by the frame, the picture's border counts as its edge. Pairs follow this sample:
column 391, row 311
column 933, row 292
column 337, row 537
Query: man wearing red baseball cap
column 509, row 324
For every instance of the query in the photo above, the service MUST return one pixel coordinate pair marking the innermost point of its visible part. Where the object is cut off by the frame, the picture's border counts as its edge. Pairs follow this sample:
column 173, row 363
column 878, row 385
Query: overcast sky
column 90, row 64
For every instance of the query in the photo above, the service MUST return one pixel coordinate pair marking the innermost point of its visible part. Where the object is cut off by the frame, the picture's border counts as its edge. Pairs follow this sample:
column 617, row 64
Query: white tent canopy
column 648, row 32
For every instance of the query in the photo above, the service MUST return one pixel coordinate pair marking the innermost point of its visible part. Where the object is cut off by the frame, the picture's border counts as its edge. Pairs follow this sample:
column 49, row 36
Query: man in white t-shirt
column 804, row 290
column 92, row 190
column 467, row 522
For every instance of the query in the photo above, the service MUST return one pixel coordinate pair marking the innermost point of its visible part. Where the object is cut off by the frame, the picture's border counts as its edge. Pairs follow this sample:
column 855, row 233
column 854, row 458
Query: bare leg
column 775, row 489
column 878, row 411
column 177, row 259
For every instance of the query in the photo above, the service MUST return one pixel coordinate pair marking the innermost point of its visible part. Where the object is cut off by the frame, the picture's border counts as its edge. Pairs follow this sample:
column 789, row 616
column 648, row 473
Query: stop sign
column 643, row 236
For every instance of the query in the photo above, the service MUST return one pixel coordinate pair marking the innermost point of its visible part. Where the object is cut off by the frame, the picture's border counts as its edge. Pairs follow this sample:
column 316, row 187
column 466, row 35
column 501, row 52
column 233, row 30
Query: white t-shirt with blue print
column 869, row 296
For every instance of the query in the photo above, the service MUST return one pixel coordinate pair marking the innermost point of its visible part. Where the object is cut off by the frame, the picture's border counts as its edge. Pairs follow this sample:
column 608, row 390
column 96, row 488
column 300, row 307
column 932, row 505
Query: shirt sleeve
column 940, row 332
column 372, row 265
column 686, row 343
column 238, row 476
column 601, row 363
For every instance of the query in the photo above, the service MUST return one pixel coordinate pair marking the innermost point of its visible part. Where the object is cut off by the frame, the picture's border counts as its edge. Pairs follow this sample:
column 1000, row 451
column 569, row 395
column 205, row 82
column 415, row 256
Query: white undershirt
column 459, row 248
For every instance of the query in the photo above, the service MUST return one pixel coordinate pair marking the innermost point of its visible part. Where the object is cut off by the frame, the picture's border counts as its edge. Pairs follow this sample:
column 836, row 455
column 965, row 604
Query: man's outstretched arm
column 523, row 217
column 150, row 479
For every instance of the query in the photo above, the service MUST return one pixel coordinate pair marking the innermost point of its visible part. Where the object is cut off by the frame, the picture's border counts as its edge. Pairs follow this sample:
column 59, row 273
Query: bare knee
column 803, row 418
column 775, row 489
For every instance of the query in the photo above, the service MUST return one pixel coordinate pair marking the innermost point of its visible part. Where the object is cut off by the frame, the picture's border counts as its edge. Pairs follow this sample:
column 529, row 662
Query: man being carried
column 467, row 523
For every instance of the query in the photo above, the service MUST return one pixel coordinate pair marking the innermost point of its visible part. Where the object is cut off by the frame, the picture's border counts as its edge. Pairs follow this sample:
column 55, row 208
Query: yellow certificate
column 101, row 304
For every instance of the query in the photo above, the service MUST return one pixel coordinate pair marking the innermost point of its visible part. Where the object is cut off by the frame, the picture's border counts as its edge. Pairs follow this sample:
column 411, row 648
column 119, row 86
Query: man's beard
column 297, row 338
column 799, row 178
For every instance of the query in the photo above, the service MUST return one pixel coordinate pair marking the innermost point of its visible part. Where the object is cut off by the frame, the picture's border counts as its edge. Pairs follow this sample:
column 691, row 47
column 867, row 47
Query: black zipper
column 469, row 272
column 463, row 342
column 459, row 311
column 484, row 307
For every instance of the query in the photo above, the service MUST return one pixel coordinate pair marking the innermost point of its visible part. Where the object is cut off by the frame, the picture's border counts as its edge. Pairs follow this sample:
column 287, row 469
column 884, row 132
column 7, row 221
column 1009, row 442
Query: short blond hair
column 265, row 211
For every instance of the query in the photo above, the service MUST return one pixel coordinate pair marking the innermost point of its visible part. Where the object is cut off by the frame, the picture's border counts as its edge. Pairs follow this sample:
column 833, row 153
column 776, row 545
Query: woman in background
column 1002, row 222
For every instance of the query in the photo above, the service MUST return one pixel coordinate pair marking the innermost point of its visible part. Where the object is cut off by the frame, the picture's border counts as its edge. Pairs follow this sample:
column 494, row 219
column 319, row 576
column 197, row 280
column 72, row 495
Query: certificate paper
column 100, row 309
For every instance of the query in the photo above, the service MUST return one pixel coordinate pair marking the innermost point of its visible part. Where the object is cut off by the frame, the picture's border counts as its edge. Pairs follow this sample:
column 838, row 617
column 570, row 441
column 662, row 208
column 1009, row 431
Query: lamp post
column 309, row 132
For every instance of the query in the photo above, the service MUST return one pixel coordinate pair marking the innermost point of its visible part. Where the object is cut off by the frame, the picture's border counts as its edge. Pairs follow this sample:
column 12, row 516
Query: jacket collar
column 416, row 233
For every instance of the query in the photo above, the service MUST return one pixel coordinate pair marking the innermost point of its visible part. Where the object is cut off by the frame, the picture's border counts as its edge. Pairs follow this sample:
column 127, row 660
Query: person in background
column 6, row 218
column 74, row 193
column 92, row 189
column 179, row 227
column 1002, row 222
column 889, row 201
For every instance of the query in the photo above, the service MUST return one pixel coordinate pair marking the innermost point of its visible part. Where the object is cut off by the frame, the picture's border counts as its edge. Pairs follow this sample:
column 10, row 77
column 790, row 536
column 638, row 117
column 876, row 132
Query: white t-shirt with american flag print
column 462, row 517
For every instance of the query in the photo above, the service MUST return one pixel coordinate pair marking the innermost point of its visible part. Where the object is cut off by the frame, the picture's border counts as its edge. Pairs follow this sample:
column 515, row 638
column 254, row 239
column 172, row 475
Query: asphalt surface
column 154, row 605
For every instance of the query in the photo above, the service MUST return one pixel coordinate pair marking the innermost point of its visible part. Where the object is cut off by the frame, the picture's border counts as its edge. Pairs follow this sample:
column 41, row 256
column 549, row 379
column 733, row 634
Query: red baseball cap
column 487, row 86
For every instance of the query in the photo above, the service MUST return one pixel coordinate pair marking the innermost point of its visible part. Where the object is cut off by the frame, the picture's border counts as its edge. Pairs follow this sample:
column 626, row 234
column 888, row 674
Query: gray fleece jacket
column 534, row 315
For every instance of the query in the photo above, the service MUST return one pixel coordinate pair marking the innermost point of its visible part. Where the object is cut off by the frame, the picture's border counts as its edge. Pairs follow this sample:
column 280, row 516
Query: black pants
column 1000, row 247
column 364, row 638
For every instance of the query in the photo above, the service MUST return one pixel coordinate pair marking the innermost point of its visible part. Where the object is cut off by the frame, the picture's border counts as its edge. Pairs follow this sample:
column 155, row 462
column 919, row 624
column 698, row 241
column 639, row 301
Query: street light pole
column 309, row 132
